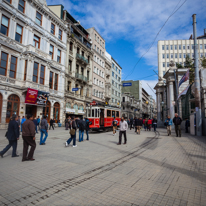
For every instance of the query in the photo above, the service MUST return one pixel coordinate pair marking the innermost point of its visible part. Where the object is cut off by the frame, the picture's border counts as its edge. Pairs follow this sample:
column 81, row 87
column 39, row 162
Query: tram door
column 101, row 117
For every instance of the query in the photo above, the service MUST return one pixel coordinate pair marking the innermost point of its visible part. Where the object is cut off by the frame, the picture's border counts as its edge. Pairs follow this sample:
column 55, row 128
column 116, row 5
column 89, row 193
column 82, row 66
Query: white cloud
column 147, row 88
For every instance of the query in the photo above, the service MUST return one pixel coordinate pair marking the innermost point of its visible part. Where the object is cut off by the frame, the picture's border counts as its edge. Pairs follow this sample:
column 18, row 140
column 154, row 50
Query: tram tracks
column 67, row 184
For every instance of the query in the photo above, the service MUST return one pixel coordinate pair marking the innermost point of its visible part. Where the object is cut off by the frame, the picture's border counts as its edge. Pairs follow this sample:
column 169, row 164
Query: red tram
column 102, row 117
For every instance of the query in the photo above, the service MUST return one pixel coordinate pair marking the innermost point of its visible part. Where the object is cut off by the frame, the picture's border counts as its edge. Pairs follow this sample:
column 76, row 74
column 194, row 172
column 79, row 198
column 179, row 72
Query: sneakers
column 66, row 144
column 74, row 145
column 115, row 133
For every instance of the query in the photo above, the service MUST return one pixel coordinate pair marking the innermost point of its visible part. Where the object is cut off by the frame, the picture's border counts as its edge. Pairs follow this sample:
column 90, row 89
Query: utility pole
column 197, row 83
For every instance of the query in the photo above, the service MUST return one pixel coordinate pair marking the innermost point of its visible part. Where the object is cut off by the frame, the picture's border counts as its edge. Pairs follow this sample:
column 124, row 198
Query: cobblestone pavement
column 152, row 169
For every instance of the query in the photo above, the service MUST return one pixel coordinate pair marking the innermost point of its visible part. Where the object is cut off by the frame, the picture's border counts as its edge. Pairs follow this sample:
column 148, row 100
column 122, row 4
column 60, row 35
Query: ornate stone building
column 78, row 65
column 32, row 55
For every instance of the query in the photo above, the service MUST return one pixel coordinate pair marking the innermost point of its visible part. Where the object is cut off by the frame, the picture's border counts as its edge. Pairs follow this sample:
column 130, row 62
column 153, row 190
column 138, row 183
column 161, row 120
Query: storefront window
column 12, row 107
column 46, row 111
column 56, row 111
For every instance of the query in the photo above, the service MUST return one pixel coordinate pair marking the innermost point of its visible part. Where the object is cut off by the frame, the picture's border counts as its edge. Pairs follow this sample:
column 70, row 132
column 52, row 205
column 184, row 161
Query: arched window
column 1, row 99
column 46, row 110
column 56, row 111
column 68, row 105
column 12, row 106
column 75, row 106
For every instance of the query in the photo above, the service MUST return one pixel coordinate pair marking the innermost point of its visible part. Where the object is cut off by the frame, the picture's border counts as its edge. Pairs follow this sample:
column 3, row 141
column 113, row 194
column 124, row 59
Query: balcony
column 81, row 77
column 82, row 58
column 82, row 40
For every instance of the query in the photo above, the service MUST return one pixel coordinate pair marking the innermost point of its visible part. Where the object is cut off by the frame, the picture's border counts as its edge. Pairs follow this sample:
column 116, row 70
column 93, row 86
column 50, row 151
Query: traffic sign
column 75, row 89
column 129, row 84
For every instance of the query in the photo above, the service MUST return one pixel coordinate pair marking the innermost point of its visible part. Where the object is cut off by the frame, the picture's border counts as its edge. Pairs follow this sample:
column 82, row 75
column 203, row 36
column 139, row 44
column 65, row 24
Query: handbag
column 72, row 131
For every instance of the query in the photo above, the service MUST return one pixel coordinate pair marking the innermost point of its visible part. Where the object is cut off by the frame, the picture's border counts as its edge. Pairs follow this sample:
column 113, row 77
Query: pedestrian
column 67, row 123
column 131, row 123
column 154, row 122
column 44, row 130
column 12, row 136
column 51, row 124
column 138, row 125
column 187, row 125
column 123, row 128
column 168, row 124
column 145, row 124
column 28, row 135
column 149, row 123
column 134, row 124
column 114, row 124
column 22, row 121
column 38, row 122
column 177, row 122
column 19, row 123
column 35, row 123
column 87, row 127
column 82, row 127
column 73, row 128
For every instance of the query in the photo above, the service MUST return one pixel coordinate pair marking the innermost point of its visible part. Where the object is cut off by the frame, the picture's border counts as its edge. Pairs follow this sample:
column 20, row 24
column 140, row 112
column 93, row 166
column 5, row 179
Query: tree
column 203, row 62
column 179, row 66
column 189, row 63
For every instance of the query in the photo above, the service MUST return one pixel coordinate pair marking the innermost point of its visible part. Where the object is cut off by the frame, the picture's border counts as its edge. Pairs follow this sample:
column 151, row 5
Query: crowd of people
column 30, row 127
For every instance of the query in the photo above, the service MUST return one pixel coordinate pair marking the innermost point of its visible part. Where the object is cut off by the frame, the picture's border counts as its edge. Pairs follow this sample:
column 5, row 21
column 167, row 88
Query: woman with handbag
column 73, row 128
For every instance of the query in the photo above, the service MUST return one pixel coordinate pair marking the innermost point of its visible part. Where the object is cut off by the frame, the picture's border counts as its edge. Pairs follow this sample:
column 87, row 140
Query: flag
column 185, row 77
column 183, row 92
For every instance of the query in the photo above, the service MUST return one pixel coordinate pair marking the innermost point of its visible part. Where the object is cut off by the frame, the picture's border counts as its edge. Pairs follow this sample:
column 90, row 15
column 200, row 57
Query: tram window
column 98, row 113
column 108, row 113
column 92, row 113
column 117, row 114
column 113, row 113
column 89, row 112
column 95, row 112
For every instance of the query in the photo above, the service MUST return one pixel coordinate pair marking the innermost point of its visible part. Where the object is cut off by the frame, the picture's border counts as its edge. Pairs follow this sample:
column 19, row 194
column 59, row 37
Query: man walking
column 28, row 135
column 35, row 123
column 131, row 123
column 82, row 127
column 44, row 130
column 38, row 122
column 12, row 136
column 114, row 124
column 177, row 122
column 187, row 125
column 73, row 128
column 168, row 124
column 51, row 124
column 123, row 128
column 154, row 122
column 22, row 121
column 87, row 127
column 138, row 124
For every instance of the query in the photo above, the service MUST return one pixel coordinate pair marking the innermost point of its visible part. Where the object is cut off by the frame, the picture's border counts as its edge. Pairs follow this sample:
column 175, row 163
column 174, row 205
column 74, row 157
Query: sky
column 130, row 26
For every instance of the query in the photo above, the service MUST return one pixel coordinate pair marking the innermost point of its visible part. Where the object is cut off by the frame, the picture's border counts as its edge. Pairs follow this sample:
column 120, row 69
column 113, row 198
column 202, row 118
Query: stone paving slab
column 152, row 169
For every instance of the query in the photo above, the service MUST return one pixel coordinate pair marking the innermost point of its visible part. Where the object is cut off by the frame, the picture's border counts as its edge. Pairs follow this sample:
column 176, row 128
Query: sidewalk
column 152, row 169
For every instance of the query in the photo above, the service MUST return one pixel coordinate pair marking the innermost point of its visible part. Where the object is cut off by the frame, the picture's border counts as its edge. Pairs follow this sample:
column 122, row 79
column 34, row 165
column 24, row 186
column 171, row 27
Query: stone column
column 158, row 107
column 171, row 95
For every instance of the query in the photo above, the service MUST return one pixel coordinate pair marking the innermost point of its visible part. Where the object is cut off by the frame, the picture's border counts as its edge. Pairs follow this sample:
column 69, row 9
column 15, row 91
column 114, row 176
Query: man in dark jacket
column 35, row 123
column 51, row 124
column 87, row 127
column 82, row 127
column 187, row 125
column 28, row 135
column 12, row 136
column 73, row 137
column 177, row 122
column 154, row 122
column 138, row 124
column 131, row 123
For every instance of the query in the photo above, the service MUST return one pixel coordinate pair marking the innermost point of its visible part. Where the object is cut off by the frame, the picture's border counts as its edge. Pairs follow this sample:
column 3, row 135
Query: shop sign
column 129, row 84
column 76, row 111
column 93, row 103
column 36, row 97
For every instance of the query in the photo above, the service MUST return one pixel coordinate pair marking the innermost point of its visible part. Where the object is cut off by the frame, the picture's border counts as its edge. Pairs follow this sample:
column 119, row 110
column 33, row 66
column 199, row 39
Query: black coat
column 87, row 125
column 13, row 130
column 138, row 122
column 82, row 125
column 177, row 121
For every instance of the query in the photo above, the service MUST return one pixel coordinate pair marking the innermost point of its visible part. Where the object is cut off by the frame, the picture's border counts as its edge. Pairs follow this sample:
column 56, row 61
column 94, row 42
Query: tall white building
column 116, row 84
column 177, row 50
column 32, row 55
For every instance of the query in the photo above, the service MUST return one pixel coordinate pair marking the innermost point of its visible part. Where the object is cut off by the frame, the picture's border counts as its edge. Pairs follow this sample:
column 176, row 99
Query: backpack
column 114, row 123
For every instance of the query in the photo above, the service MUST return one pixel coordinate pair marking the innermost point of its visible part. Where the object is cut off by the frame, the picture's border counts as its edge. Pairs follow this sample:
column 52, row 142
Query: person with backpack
column 177, row 122
column 87, row 127
column 168, row 124
column 73, row 128
column 114, row 124
column 22, row 121
column 12, row 136
column 82, row 127
column 44, row 130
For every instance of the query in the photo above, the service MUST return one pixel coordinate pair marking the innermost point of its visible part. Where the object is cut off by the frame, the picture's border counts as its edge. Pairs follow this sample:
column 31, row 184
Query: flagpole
column 177, row 101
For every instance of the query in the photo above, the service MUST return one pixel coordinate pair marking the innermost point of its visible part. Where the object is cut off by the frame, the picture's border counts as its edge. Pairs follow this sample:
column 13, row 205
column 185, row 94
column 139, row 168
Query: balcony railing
column 80, row 76
column 79, row 56
column 80, row 38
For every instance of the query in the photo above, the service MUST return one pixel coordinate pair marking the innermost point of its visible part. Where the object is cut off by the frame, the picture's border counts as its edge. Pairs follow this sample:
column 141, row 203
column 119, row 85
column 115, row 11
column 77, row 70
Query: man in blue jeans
column 73, row 137
column 82, row 127
column 44, row 130
column 87, row 127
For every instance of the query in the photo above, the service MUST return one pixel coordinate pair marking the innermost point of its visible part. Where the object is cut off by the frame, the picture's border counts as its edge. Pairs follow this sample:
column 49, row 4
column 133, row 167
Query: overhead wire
column 173, row 12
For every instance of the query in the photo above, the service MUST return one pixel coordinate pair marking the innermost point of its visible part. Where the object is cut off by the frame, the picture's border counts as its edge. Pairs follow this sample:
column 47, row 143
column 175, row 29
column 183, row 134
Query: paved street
column 152, row 169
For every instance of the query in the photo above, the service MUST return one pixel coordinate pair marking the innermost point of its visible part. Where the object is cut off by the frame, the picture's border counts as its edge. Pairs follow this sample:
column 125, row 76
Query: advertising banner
column 36, row 97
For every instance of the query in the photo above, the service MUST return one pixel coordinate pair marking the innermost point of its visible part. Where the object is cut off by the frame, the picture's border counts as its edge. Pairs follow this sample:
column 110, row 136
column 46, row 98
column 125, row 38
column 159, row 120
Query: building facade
column 32, row 55
column 98, row 70
column 176, row 50
column 116, row 84
column 79, row 60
